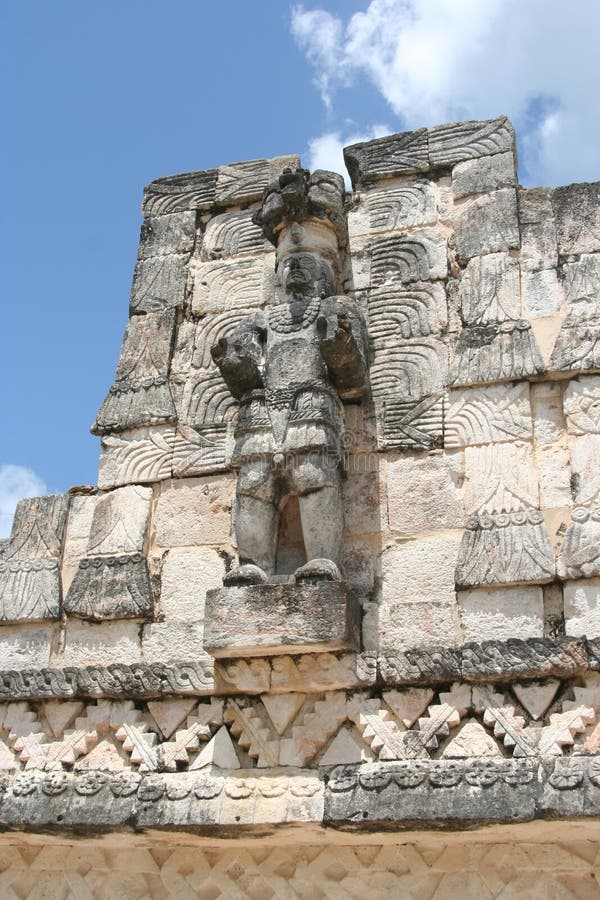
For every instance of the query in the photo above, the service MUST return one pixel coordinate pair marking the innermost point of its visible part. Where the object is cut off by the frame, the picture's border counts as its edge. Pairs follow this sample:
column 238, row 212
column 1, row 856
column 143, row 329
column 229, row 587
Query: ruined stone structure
column 336, row 599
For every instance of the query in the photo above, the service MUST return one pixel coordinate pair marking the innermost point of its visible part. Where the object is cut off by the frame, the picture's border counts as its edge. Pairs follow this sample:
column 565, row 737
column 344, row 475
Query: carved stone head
column 307, row 275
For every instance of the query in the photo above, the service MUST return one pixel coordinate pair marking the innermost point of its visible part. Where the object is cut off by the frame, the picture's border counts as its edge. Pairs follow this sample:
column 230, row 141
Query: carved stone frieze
column 496, row 352
column 111, row 587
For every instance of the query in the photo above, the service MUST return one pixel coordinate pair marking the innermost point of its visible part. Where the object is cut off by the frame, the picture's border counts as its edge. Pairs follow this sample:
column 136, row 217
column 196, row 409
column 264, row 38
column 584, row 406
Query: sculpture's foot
column 247, row 573
column 317, row 570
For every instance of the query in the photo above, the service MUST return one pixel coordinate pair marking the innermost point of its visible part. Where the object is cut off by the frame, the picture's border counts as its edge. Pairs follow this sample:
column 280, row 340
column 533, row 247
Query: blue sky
column 101, row 98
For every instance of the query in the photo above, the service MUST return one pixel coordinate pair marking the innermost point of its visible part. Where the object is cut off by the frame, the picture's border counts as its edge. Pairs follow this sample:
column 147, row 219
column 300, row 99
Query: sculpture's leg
column 317, row 480
column 256, row 524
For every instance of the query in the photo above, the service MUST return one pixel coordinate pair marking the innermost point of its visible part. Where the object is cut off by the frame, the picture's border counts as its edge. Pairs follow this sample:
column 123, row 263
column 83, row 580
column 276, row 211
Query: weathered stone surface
column 418, row 256
column 186, row 576
column 436, row 505
column 488, row 415
column 111, row 587
column 419, row 570
column 88, row 644
column 577, row 212
column 159, row 283
column 137, row 455
column 538, row 229
column 204, row 405
column 412, row 423
column 196, row 511
column 38, row 528
column 25, row 647
column 486, row 173
column 410, row 369
column 244, row 181
column 397, row 312
column 488, row 224
column 577, row 347
column 585, row 481
column 500, row 478
column 29, row 589
column 163, row 235
column 488, row 353
column 505, row 549
column 501, row 613
column 541, row 293
column 406, row 625
column 177, row 193
column 582, row 405
column 582, row 608
column 81, row 514
column 223, row 285
column 489, row 290
column 582, row 284
column 467, row 140
column 399, row 205
column 536, row 696
column 120, row 520
column 278, row 619
column 140, row 394
column 171, row 642
column 317, row 672
column 397, row 154
column 232, row 234
column 580, row 551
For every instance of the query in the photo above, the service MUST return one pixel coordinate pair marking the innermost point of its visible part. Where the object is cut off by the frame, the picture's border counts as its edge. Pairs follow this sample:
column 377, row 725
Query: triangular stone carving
column 408, row 705
column 343, row 749
column 169, row 714
column 218, row 752
column 472, row 740
column 283, row 709
column 61, row 715
column 536, row 696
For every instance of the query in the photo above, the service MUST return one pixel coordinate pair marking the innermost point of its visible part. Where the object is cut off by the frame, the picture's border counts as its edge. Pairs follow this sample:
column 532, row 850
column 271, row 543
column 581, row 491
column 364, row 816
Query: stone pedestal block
column 260, row 620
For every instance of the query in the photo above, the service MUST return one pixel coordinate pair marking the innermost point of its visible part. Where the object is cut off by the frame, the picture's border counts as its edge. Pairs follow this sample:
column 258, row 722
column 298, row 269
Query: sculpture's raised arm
column 343, row 341
column 239, row 356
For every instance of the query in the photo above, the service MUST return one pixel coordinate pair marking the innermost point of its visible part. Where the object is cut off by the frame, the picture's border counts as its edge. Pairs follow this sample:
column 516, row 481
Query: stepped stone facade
column 335, row 601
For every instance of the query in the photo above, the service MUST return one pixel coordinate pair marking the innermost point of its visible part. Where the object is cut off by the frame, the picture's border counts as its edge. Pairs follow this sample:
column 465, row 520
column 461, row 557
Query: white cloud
column 16, row 482
column 436, row 61
column 326, row 151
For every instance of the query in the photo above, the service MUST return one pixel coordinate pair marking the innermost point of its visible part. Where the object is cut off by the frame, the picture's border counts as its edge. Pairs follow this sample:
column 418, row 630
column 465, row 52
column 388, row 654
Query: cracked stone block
column 419, row 570
column 395, row 154
column 194, row 511
column 256, row 620
column 177, row 193
column 582, row 608
column 501, row 613
column 111, row 587
column 99, row 643
column 577, row 211
column 186, row 577
column 120, row 520
column 437, row 503
column 26, row 647
column 458, row 141
column 487, row 173
column 488, row 224
column 171, row 233
column 159, row 283
column 38, row 527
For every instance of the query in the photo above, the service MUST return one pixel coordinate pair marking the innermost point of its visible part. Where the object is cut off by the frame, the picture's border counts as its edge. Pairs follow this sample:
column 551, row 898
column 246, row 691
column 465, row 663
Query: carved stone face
column 306, row 274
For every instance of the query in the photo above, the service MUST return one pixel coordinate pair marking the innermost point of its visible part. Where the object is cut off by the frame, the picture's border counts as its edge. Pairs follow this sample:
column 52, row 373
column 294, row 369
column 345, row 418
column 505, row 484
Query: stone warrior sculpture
column 290, row 366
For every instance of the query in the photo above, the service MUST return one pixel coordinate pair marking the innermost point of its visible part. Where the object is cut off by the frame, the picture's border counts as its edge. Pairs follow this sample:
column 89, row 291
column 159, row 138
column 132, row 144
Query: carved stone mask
column 306, row 274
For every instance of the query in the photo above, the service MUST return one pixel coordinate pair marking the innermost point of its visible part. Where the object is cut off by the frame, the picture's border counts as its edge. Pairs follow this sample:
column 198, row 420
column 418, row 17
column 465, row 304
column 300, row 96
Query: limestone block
column 577, row 347
column 419, row 570
column 193, row 512
column 140, row 394
column 541, row 293
column 202, row 399
column 548, row 421
column 318, row 672
column 177, row 193
column 505, row 549
column 398, row 312
column 551, row 450
column 488, row 353
column 485, row 173
column 418, row 256
column 399, row 205
column 577, row 212
column 232, row 234
column 406, row 625
column 119, row 523
column 409, row 369
column 538, row 229
column 170, row 642
column 488, row 224
column 255, row 620
column 580, row 551
column 195, row 337
column 186, row 576
column 582, row 405
column 458, row 141
column 500, row 478
column 159, row 283
column 358, row 566
column 395, row 154
column 364, row 504
column 489, row 290
column 163, row 235
column 201, row 451
column 89, row 644
column 412, row 423
column 536, row 696
column 501, row 613
column 224, row 285
column 582, row 608
column 81, row 513
column 26, row 647
column 111, row 587
column 425, row 494
column 38, row 528
column 29, row 589
column 585, row 451
column 582, row 284
column 244, row 181
column 488, row 415
column 237, row 676
column 137, row 455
